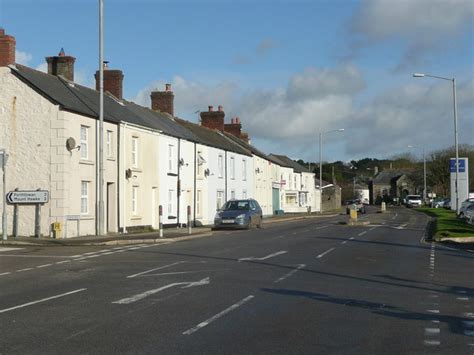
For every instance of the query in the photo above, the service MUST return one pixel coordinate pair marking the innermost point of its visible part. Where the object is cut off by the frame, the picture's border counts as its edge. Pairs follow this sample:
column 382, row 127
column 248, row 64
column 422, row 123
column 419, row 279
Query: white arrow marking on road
column 265, row 257
column 143, row 295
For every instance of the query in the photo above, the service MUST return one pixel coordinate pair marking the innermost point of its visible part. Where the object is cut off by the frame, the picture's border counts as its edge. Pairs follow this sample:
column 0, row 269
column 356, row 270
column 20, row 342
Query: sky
column 289, row 69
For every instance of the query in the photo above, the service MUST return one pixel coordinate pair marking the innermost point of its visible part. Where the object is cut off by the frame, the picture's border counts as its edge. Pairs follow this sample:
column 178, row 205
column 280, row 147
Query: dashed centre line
column 324, row 253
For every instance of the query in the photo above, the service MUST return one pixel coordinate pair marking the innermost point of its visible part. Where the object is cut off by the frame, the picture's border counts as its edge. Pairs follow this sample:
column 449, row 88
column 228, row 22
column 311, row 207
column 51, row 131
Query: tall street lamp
column 321, row 165
column 424, row 169
column 453, row 80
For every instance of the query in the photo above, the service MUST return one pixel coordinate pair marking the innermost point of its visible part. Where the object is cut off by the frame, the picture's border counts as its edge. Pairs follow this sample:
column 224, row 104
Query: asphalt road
column 303, row 287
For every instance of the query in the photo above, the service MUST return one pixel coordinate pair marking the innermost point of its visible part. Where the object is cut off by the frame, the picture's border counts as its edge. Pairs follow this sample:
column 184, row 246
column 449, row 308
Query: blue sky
column 288, row 69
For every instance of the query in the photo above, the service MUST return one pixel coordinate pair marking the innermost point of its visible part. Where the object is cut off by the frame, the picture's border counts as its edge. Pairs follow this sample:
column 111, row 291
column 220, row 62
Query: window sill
column 136, row 170
column 135, row 217
column 172, row 174
column 85, row 217
column 86, row 162
column 110, row 158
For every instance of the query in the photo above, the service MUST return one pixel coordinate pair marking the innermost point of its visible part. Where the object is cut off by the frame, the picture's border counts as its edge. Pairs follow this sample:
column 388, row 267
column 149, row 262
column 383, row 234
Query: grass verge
column 448, row 225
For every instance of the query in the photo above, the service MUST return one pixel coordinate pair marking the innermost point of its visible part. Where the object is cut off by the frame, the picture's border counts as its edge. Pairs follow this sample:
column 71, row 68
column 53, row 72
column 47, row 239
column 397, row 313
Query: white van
column 413, row 201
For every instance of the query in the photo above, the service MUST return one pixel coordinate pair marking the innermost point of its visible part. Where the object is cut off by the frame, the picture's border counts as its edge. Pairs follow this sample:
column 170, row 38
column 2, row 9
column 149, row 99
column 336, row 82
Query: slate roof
column 212, row 137
column 289, row 163
column 250, row 148
column 386, row 176
column 85, row 101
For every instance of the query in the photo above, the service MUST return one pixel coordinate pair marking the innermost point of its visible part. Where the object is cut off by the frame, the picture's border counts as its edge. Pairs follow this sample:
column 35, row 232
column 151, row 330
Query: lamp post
column 453, row 80
column 321, row 165
column 424, row 170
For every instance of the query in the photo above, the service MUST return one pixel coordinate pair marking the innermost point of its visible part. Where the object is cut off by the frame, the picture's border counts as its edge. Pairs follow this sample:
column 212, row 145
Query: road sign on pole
column 28, row 197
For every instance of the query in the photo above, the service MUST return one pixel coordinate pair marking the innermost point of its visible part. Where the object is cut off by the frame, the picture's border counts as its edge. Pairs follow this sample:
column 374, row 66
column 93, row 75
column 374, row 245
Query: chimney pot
column 61, row 64
column 163, row 101
column 7, row 49
column 220, row 108
column 113, row 81
column 211, row 108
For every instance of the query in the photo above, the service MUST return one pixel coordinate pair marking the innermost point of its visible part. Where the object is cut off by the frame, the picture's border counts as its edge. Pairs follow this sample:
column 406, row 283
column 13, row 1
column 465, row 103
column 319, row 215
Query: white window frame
column 232, row 194
column 220, row 165
column 84, row 135
column 170, row 202
column 135, row 192
column 244, row 194
column 85, row 197
column 109, row 144
column 200, row 164
column 135, row 151
column 171, row 164
column 219, row 198
column 244, row 169
column 232, row 168
column 198, row 202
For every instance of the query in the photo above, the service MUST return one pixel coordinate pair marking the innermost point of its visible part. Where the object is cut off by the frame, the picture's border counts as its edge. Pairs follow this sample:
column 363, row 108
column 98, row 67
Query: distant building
column 391, row 184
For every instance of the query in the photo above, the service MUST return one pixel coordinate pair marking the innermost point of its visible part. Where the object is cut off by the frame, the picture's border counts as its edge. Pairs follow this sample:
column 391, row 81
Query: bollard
column 353, row 214
column 383, row 207
column 160, row 220
column 189, row 220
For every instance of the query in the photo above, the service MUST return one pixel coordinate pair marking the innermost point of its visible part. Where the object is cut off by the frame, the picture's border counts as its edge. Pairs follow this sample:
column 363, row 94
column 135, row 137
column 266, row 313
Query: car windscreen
column 414, row 197
column 237, row 206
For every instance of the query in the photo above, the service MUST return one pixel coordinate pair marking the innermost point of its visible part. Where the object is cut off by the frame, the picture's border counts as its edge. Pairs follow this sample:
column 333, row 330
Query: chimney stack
column 234, row 127
column 113, row 81
column 163, row 100
column 61, row 64
column 213, row 119
column 7, row 49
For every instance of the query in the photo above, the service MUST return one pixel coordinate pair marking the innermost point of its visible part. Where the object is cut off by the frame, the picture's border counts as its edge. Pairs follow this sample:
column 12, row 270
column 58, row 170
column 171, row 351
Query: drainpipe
column 121, row 173
column 117, row 202
column 194, row 199
column 225, row 175
column 178, row 184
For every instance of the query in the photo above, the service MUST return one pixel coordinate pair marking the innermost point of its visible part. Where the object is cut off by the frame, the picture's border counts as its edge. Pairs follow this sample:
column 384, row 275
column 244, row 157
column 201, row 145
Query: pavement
column 169, row 234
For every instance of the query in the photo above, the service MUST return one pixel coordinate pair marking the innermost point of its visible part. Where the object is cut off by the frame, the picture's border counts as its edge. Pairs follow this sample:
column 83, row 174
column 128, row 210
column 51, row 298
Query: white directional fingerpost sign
column 28, row 197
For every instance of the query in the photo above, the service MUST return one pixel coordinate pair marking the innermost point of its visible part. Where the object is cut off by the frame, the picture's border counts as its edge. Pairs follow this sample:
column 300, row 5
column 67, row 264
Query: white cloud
column 43, row 67
column 22, row 57
column 423, row 25
column 288, row 120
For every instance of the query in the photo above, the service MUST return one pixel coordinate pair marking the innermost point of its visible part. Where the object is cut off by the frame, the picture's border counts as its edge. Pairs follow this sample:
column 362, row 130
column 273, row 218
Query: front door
column 275, row 199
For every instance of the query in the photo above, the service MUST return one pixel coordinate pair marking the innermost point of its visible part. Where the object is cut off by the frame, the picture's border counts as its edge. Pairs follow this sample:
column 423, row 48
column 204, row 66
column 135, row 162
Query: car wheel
column 259, row 225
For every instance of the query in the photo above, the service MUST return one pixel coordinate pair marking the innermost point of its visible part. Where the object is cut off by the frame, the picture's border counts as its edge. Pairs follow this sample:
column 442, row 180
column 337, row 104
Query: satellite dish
column 128, row 173
column 70, row 144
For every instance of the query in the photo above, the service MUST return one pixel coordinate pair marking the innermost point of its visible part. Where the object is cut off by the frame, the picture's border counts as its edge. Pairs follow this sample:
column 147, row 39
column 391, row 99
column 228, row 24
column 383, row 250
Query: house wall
column 31, row 131
column 263, row 184
column 139, row 193
column 74, row 169
column 187, row 172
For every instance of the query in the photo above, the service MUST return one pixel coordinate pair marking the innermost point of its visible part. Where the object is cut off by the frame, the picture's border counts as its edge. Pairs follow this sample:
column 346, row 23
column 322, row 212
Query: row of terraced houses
column 152, row 158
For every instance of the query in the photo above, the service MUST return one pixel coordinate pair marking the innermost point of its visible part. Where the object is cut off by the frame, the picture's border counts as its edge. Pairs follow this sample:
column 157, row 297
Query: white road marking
column 5, row 273
column 462, row 298
column 300, row 266
column 432, row 331
column 432, row 342
column 27, row 269
column 158, row 268
column 371, row 229
column 469, row 315
column 143, row 295
column 63, row 262
column 394, row 217
column 35, row 256
column 326, row 252
column 218, row 315
column 344, row 242
column 10, row 249
column 42, row 300
column 322, row 227
column 351, row 238
column 432, row 310
column 265, row 257
column 361, row 234
column 42, row 266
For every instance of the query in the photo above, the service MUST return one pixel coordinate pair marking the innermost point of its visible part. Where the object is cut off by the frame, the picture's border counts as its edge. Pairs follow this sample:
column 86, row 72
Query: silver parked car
column 464, row 206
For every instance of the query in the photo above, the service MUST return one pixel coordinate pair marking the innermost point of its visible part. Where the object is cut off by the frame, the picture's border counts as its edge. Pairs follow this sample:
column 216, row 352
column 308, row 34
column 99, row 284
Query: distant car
column 438, row 203
column 357, row 205
column 413, row 201
column 469, row 214
column 239, row 214
column 447, row 203
column 464, row 205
